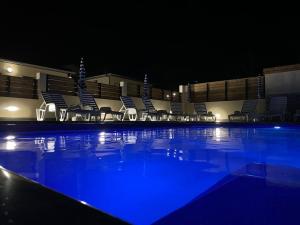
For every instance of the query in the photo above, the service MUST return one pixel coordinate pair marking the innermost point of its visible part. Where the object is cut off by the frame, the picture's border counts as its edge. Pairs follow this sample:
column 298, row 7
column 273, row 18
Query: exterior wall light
column 12, row 108
column 9, row 69
column 168, row 96
column 174, row 94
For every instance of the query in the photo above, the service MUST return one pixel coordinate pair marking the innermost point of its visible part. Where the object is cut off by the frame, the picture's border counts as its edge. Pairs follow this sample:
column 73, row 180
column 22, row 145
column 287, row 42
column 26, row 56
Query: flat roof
column 278, row 69
column 112, row 74
column 35, row 66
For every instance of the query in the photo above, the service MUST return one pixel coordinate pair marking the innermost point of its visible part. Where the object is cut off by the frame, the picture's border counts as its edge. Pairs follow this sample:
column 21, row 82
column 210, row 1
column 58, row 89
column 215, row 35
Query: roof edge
column 278, row 69
column 35, row 66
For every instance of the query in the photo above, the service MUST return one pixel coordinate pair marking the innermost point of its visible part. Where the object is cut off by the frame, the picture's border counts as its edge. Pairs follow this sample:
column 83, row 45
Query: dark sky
column 173, row 43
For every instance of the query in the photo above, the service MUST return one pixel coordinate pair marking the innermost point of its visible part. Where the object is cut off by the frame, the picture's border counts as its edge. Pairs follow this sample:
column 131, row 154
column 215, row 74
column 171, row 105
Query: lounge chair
column 156, row 114
column 247, row 113
column 130, row 109
column 202, row 114
column 176, row 111
column 89, row 103
column 277, row 108
column 55, row 103
column 297, row 115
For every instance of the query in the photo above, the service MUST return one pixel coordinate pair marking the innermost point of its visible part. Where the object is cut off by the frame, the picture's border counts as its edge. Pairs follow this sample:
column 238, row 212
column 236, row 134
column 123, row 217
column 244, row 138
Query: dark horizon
column 173, row 44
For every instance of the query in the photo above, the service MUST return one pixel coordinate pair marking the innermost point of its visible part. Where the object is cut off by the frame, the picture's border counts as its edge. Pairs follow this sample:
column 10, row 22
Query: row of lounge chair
column 88, row 110
column 276, row 110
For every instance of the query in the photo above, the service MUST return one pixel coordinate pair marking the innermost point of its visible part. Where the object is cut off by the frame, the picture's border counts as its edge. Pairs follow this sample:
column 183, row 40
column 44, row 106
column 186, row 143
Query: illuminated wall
column 224, row 108
column 24, row 109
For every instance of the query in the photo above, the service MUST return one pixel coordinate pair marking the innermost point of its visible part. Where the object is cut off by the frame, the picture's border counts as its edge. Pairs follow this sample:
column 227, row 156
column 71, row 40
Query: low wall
column 224, row 108
column 25, row 108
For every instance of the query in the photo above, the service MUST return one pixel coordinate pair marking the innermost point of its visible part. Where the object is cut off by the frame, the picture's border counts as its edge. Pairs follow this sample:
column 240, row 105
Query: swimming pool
column 143, row 175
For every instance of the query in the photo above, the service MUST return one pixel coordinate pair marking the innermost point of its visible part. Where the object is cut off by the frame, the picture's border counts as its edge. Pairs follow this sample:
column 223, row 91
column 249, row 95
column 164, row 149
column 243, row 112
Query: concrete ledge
column 32, row 126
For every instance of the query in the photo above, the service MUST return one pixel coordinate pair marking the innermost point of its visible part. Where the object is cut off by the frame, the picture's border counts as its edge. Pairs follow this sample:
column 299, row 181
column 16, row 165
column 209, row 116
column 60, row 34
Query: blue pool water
column 142, row 175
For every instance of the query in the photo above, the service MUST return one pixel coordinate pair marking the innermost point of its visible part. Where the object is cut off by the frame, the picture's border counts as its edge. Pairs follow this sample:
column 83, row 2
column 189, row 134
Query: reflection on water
column 142, row 175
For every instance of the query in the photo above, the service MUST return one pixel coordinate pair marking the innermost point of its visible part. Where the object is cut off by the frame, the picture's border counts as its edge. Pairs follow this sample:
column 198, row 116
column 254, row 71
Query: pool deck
column 235, row 200
column 27, row 202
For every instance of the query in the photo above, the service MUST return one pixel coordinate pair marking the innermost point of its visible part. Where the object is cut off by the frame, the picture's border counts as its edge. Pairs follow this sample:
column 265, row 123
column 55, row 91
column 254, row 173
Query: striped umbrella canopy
column 146, row 87
column 81, row 78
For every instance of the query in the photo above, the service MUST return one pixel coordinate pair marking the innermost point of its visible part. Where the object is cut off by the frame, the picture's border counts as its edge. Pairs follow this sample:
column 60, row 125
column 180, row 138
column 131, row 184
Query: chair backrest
column 86, row 99
column 278, row 104
column 148, row 104
column 127, row 102
column 176, row 107
column 200, row 108
column 249, row 106
column 56, row 99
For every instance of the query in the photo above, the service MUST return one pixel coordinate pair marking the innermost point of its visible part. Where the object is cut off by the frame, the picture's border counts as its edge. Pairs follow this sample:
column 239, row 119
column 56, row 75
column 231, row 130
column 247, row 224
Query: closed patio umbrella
column 81, row 79
column 146, row 87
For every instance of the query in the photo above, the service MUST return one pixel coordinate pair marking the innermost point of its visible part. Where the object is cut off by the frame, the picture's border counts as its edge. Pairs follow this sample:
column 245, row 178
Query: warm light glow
column 9, row 69
column 180, row 88
column 12, row 108
column 10, row 137
column 217, row 117
column 168, row 96
column 51, row 107
column 174, row 94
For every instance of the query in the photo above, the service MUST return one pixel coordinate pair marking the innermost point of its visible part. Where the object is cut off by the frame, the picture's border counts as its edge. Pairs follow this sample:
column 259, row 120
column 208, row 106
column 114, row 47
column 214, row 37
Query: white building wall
column 282, row 83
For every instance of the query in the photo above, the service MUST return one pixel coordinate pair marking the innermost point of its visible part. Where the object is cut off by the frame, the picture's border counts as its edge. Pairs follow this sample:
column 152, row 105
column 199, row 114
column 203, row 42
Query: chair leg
column 40, row 114
column 62, row 115
column 132, row 117
column 124, row 115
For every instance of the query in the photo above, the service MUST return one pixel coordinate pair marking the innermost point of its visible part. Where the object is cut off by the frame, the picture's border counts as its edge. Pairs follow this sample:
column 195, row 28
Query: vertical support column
column 41, row 82
column 226, row 92
column 99, row 89
column 123, row 85
column 207, row 92
column 185, row 98
column 246, row 89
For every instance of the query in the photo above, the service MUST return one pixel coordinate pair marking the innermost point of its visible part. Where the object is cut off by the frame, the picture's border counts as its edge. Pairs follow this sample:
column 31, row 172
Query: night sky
column 172, row 43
